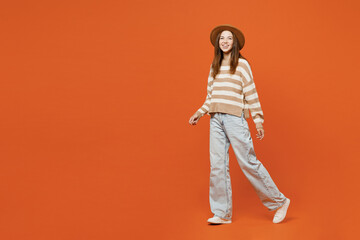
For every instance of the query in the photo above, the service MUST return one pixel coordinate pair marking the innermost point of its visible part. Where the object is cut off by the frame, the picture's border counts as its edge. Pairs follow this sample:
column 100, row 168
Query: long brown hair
column 219, row 56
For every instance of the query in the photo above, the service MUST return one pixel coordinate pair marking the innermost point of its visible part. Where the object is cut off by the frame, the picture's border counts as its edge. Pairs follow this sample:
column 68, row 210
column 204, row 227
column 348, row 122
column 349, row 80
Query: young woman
column 231, row 93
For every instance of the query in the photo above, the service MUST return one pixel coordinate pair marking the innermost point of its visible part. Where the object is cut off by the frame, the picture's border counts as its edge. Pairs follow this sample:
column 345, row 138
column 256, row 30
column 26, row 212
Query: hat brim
column 218, row 29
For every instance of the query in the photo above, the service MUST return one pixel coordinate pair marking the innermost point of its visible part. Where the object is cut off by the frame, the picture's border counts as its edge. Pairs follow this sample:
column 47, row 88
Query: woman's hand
column 194, row 119
column 260, row 133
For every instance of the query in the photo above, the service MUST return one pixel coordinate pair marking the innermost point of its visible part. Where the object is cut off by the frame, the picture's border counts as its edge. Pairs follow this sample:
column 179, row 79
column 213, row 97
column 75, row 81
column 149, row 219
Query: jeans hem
column 281, row 204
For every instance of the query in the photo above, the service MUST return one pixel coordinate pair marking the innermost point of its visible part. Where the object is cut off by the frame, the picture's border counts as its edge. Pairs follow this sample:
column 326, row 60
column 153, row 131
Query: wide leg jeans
column 226, row 129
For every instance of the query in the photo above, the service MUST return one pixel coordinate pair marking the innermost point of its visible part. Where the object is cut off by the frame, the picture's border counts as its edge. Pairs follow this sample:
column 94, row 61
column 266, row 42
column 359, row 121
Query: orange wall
column 96, row 98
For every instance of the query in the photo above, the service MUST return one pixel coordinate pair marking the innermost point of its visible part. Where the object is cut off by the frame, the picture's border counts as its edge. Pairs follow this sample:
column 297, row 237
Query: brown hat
column 218, row 29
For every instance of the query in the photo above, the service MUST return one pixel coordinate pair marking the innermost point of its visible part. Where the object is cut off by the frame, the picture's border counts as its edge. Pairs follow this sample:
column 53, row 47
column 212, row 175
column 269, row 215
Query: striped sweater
column 233, row 93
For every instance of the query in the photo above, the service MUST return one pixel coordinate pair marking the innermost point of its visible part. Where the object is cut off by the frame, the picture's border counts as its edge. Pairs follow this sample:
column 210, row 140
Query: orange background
column 96, row 98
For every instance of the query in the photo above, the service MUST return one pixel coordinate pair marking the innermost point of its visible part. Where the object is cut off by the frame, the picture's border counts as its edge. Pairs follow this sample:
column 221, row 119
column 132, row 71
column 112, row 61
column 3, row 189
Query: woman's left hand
column 260, row 133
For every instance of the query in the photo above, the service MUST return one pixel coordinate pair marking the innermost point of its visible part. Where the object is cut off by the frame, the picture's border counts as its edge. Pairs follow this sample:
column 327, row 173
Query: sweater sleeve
column 251, row 97
column 204, row 109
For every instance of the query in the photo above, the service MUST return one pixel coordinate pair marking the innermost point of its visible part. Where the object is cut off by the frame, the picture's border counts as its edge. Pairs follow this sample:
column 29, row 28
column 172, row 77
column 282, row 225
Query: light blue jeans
column 226, row 129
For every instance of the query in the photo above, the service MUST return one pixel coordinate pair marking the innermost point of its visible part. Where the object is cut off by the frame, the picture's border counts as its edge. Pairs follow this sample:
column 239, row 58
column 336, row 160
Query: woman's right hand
column 194, row 119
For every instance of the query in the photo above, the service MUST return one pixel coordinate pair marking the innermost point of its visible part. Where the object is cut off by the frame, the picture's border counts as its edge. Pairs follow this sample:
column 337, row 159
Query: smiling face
column 226, row 41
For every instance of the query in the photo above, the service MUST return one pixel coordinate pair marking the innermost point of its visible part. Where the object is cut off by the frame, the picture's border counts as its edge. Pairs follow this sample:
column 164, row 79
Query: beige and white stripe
column 233, row 93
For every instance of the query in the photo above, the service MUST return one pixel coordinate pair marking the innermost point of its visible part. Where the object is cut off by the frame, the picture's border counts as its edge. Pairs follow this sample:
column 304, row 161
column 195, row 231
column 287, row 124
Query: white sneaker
column 281, row 212
column 217, row 220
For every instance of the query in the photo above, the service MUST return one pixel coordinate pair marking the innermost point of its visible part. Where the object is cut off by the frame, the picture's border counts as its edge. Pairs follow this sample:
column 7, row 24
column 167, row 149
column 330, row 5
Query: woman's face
column 226, row 41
